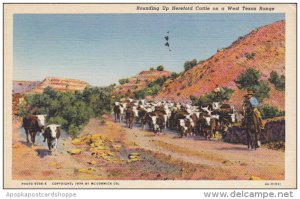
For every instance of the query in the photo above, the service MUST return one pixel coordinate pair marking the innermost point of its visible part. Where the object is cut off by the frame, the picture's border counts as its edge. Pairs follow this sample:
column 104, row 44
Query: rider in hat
column 254, row 103
column 217, row 91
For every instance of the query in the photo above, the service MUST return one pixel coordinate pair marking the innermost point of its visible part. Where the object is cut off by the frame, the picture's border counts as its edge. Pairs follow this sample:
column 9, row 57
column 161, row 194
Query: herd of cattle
column 184, row 118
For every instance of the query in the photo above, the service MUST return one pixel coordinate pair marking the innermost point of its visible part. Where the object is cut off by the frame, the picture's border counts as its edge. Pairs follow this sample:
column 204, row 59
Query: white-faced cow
column 51, row 134
column 33, row 124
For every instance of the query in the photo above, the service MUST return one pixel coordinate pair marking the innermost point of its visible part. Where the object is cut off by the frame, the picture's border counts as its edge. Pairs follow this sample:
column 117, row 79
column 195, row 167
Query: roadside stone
column 16, row 145
column 88, row 171
column 96, row 137
column 92, row 162
column 75, row 151
column 77, row 142
column 255, row 178
column 52, row 164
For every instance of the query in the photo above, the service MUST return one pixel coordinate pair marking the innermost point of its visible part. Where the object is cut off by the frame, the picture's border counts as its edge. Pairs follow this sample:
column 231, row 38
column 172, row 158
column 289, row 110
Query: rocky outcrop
column 60, row 84
column 23, row 86
column 140, row 81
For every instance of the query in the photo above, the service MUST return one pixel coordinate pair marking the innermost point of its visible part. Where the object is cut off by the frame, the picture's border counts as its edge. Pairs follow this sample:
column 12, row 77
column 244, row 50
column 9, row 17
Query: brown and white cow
column 33, row 124
column 51, row 134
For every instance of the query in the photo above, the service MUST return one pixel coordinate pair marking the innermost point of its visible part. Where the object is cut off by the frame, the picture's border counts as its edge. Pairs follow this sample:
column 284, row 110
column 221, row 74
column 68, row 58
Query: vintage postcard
column 150, row 96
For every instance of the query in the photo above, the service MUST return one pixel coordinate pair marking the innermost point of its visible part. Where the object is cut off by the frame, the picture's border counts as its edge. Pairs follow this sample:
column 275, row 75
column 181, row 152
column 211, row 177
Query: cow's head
column 207, row 119
column 232, row 116
column 216, row 105
column 181, row 122
column 41, row 122
column 53, row 134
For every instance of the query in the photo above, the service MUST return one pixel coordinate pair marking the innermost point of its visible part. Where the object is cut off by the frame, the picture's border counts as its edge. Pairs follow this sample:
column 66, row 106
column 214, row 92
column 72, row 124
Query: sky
column 102, row 48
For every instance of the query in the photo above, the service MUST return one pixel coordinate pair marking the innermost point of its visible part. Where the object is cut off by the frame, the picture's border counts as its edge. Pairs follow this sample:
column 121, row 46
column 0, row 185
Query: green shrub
column 174, row 75
column 74, row 130
column 160, row 68
column 58, row 120
column 123, row 81
column 190, row 64
column 279, row 82
column 72, row 110
column 268, row 111
column 250, row 55
column 249, row 79
column 210, row 97
column 21, row 110
column 261, row 91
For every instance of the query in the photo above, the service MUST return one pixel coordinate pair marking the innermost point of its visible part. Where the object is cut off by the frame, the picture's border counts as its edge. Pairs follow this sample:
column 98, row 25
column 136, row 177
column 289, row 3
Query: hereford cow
column 33, row 124
column 117, row 112
column 51, row 134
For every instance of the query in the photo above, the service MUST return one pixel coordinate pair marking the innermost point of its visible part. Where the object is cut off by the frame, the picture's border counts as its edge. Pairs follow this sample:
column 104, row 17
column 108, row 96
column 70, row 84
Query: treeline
column 72, row 110
column 249, row 80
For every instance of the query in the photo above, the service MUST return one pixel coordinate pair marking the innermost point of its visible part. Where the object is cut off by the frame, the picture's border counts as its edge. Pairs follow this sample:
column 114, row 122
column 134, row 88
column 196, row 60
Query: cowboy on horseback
column 254, row 103
column 252, row 121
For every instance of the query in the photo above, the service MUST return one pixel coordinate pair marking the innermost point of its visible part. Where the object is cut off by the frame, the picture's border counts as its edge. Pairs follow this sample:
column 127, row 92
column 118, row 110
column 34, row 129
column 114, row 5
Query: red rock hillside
column 140, row 81
column 268, row 44
column 59, row 84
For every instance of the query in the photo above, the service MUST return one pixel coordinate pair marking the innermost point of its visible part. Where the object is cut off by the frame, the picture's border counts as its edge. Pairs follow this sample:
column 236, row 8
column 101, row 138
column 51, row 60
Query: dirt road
column 161, row 157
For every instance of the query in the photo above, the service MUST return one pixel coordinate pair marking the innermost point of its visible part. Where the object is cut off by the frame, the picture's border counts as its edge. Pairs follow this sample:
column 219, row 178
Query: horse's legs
column 26, row 131
column 249, row 139
column 257, row 135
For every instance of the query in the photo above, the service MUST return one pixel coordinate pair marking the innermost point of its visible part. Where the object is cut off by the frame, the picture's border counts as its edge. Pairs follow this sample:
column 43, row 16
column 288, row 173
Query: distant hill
column 59, row 84
column 140, row 81
column 262, row 49
column 23, row 86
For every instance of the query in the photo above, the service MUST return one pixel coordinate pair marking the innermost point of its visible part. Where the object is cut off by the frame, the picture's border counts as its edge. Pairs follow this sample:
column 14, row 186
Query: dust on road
column 162, row 157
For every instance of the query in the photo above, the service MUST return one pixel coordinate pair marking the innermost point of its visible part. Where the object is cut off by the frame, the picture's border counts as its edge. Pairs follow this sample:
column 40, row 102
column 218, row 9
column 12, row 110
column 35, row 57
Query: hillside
column 140, row 81
column 59, row 84
column 262, row 49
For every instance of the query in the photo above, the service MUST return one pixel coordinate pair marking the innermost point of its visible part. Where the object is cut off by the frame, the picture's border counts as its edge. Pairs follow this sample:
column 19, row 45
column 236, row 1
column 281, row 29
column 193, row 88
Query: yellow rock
column 97, row 144
column 92, row 162
column 96, row 137
column 77, row 142
column 85, row 138
column 117, row 147
column 52, row 164
column 134, row 154
column 133, row 159
column 255, row 178
column 89, row 170
column 16, row 145
column 74, row 151
column 99, row 149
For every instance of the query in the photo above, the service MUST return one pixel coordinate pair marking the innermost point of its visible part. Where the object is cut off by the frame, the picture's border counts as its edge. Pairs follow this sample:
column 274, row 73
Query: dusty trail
column 234, row 158
column 162, row 157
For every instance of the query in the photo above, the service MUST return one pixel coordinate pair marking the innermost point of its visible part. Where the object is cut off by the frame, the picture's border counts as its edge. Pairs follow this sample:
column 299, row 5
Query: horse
column 251, row 124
